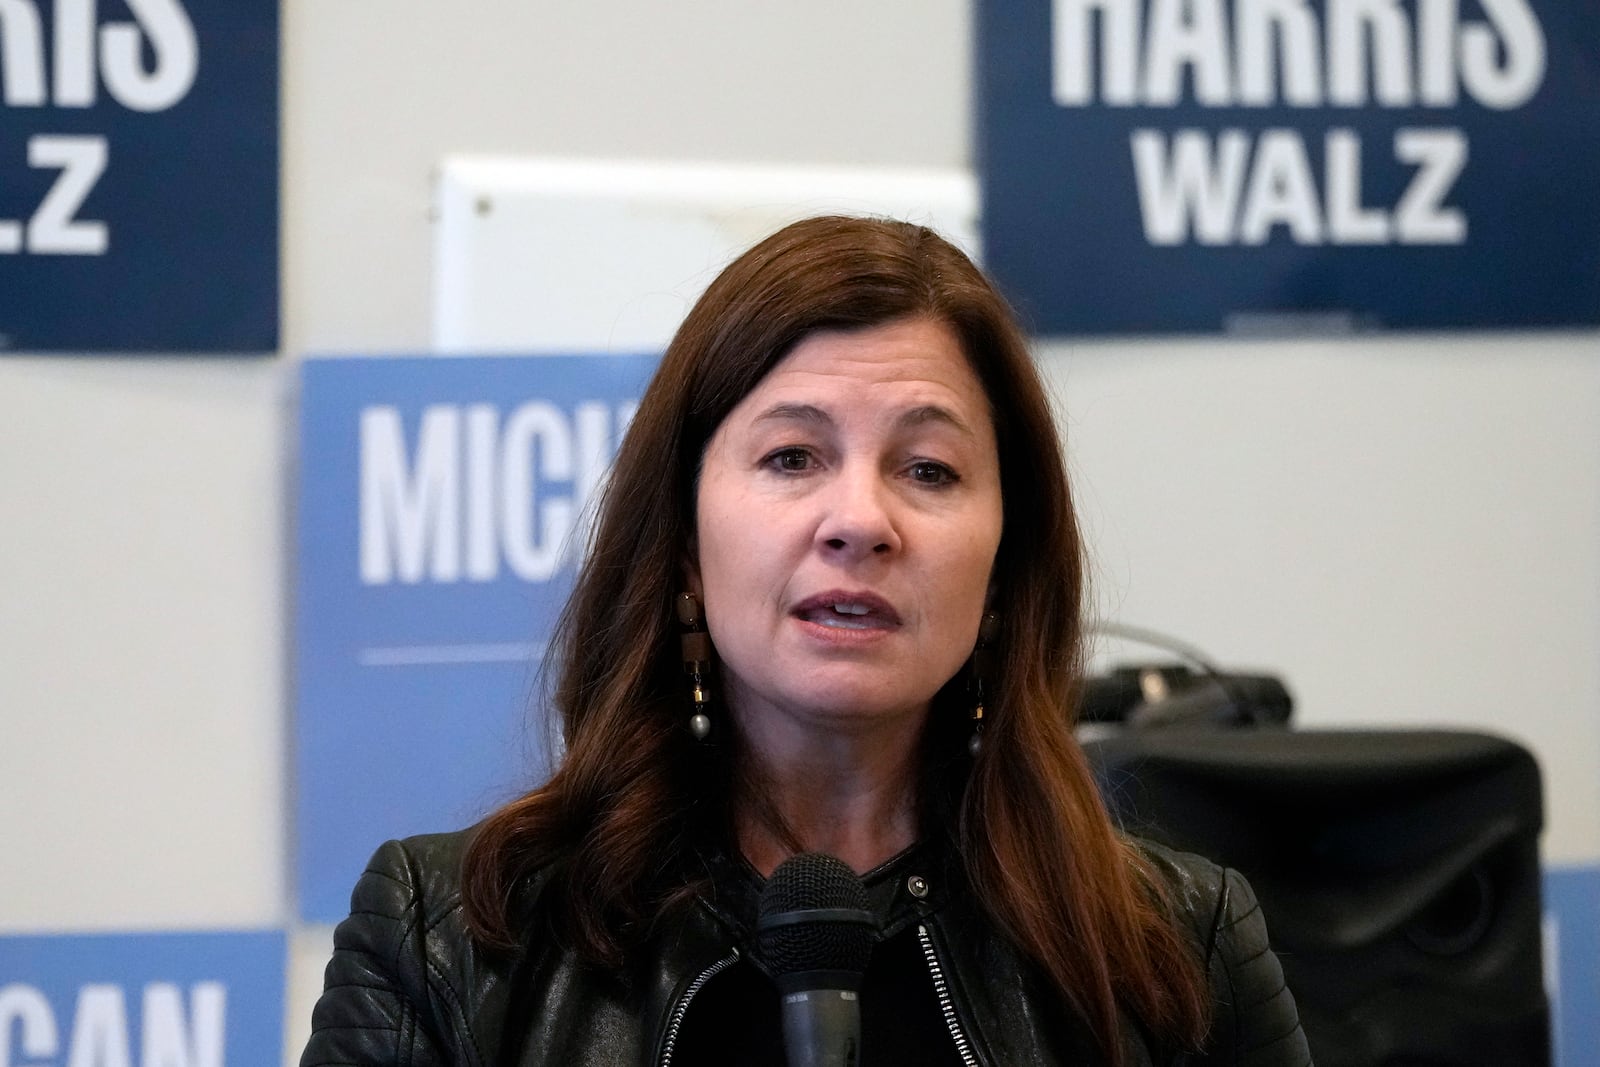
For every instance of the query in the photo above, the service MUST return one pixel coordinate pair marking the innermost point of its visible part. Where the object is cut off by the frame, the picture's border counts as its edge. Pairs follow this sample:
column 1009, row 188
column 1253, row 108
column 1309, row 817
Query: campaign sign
column 1289, row 165
column 1572, row 961
column 117, row 1000
column 441, row 504
column 138, row 175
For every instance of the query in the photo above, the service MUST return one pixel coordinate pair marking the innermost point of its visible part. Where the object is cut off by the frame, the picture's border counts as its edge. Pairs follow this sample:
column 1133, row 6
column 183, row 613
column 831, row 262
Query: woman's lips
column 846, row 610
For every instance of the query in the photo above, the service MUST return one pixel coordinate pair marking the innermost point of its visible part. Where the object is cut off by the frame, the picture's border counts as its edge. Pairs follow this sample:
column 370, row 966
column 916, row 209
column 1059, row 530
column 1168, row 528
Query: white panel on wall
column 535, row 255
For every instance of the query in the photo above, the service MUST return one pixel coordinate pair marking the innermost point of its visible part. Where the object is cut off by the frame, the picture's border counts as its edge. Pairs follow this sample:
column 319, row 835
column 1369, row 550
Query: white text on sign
column 479, row 489
column 1236, row 187
column 65, row 68
column 98, row 1033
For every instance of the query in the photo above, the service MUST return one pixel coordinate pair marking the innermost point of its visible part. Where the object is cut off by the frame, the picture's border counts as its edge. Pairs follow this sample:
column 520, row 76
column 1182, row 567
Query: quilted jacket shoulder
column 384, row 1000
column 1254, row 1021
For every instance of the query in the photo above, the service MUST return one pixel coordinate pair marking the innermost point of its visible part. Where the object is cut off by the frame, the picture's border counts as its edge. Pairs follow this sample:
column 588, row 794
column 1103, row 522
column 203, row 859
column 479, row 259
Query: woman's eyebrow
column 934, row 413
column 794, row 413
column 910, row 418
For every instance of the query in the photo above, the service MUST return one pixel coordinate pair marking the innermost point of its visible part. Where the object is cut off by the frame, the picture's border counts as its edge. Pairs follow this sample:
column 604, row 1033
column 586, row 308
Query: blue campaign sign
column 196, row 999
column 139, row 176
column 440, row 500
column 1201, row 165
column 1572, row 944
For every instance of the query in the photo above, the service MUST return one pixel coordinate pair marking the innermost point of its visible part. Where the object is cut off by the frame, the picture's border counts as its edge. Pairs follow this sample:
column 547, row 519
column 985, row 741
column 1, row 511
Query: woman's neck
column 852, row 798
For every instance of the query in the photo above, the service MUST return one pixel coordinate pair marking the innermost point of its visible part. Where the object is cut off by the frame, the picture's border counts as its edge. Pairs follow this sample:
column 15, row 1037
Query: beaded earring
column 696, row 644
column 982, row 675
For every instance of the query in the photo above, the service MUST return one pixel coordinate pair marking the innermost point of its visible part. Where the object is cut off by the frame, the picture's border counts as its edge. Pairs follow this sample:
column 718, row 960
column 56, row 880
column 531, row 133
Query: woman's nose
column 859, row 519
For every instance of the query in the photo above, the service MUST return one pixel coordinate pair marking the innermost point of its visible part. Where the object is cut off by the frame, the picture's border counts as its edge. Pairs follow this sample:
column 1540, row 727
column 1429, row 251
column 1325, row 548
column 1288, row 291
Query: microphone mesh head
column 806, row 882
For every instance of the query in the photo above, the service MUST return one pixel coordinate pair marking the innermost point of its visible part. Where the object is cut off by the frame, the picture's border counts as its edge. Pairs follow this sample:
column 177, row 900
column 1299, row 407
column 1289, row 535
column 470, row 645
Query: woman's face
column 846, row 524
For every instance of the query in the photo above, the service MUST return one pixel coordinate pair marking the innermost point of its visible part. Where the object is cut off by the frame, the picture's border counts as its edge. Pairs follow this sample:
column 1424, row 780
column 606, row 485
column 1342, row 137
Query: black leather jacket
column 407, row 985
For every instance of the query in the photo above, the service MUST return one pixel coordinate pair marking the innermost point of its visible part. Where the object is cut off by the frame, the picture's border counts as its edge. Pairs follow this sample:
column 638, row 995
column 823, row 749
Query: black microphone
column 816, row 933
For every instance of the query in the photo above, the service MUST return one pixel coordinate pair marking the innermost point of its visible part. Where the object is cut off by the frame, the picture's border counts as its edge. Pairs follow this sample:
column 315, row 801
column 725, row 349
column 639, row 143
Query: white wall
column 1407, row 529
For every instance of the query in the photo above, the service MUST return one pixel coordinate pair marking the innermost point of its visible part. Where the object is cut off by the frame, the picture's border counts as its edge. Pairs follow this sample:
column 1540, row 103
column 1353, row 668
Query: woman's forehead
column 918, row 356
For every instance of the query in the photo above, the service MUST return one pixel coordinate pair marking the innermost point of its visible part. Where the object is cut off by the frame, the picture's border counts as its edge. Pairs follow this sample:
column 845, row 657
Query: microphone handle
column 822, row 1028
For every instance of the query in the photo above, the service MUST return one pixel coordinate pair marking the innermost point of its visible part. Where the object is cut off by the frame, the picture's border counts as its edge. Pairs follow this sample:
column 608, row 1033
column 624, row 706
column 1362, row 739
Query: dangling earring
column 696, row 662
column 982, row 666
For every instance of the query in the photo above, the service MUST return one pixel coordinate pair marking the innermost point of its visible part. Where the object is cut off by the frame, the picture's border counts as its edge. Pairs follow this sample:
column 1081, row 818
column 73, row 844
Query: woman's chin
column 859, row 713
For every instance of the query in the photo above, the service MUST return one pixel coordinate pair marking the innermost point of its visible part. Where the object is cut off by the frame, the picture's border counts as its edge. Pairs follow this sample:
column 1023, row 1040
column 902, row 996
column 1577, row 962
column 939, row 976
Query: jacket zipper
column 679, row 1010
column 946, row 1005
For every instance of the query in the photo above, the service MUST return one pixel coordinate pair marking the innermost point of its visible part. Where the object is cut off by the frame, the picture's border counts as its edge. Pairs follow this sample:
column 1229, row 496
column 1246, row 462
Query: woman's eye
column 790, row 459
column 929, row 473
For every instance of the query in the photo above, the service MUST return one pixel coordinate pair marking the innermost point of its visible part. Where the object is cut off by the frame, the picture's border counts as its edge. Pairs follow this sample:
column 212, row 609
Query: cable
column 1247, row 709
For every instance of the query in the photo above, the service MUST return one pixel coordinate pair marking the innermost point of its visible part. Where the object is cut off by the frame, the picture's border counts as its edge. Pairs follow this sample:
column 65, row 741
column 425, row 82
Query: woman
column 832, row 604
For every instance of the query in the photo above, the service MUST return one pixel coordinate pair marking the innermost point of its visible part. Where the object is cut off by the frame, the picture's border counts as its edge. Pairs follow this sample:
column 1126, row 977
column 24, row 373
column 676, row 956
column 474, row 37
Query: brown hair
column 633, row 797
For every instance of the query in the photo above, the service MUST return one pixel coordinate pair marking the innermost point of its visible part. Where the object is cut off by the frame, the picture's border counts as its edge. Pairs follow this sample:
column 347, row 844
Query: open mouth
column 841, row 611
column 845, row 617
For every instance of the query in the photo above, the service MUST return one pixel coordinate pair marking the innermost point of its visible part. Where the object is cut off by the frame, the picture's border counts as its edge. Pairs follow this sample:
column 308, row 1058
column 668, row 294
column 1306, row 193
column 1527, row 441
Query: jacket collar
column 908, row 886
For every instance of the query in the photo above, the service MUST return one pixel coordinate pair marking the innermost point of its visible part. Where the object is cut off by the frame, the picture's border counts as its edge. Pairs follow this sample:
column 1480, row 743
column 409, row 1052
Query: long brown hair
column 635, row 794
